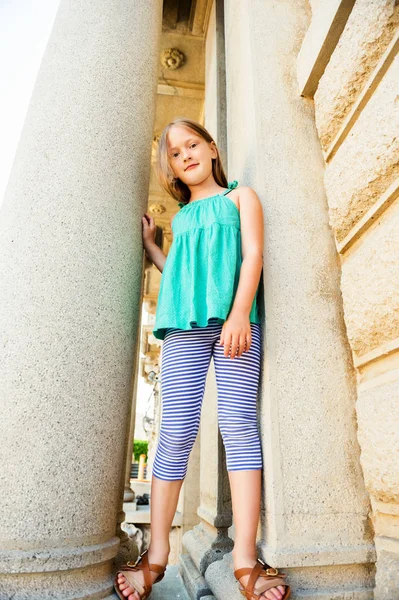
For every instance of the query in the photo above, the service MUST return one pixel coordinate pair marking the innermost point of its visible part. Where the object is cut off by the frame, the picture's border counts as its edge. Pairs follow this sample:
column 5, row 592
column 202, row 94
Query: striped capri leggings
column 186, row 355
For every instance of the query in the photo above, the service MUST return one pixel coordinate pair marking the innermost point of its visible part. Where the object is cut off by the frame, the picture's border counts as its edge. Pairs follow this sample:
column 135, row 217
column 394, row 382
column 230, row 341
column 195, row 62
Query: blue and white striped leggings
column 186, row 355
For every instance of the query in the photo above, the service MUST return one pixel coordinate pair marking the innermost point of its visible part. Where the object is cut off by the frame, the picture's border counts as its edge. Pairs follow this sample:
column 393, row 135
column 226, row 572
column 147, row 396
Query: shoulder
column 246, row 191
column 246, row 197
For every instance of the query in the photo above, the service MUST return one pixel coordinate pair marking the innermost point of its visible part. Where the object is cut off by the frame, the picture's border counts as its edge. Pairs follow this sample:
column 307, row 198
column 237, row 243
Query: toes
column 281, row 588
column 127, row 591
column 273, row 594
column 123, row 585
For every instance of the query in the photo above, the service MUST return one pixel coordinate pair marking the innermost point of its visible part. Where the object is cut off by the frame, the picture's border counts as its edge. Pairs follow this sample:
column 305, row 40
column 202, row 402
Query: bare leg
column 163, row 503
column 245, row 494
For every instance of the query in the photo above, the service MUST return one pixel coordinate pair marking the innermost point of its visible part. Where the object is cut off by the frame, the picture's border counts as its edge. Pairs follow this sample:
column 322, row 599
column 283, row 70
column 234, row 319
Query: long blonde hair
column 166, row 178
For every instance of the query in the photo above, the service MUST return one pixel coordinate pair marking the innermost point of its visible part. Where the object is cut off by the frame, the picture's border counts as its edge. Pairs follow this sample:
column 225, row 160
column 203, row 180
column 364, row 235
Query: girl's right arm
column 153, row 251
column 155, row 254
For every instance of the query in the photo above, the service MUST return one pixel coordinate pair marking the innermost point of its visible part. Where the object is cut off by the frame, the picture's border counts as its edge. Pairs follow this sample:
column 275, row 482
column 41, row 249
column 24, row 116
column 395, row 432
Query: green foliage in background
column 140, row 447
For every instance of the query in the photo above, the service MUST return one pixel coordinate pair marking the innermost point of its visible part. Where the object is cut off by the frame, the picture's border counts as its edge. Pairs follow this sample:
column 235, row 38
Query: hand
column 148, row 231
column 236, row 335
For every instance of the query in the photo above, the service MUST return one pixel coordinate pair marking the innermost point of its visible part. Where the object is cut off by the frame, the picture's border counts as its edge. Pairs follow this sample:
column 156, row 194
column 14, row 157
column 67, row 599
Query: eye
column 191, row 145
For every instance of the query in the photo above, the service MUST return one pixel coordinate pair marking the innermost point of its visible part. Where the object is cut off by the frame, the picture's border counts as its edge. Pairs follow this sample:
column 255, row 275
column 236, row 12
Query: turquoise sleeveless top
column 202, row 269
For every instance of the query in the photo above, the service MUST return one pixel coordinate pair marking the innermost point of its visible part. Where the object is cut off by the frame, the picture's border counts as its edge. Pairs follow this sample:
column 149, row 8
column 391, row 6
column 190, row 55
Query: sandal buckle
column 133, row 564
column 270, row 570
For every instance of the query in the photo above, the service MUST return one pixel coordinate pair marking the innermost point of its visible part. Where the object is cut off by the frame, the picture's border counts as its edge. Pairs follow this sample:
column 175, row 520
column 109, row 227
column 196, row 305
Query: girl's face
column 186, row 148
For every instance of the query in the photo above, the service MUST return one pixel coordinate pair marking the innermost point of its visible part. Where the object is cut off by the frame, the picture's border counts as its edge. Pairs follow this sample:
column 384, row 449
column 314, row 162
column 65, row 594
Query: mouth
column 191, row 167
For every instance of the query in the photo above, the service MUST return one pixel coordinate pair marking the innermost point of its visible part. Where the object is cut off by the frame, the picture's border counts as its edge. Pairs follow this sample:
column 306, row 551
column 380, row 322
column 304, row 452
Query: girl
column 207, row 307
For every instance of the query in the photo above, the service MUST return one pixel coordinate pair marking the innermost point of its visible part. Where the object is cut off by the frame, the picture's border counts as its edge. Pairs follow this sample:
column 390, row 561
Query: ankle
column 244, row 555
column 159, row 550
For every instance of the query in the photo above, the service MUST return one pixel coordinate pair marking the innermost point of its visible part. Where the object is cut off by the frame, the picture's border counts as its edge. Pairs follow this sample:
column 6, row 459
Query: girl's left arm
column 236, row 335
column 252, row 233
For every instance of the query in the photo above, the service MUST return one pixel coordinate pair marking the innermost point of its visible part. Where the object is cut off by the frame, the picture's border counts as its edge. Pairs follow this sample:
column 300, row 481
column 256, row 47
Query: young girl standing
column 207, row 307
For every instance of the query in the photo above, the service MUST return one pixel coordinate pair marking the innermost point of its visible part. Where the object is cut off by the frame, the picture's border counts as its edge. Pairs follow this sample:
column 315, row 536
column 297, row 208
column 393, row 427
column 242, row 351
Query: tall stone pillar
column 315, row 521
column 70, row 273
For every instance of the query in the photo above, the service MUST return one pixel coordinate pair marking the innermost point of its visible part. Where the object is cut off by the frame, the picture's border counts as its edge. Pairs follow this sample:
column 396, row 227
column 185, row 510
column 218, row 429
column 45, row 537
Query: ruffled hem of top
column 231, row 185
column 160, row 331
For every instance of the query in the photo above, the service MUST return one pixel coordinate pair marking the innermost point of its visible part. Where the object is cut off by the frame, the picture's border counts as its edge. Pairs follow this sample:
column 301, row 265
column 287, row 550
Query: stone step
column 171, row 587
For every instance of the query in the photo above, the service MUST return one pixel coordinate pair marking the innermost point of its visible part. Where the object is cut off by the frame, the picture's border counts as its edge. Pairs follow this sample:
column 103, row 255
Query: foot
column 154, row 556
column 275, row 593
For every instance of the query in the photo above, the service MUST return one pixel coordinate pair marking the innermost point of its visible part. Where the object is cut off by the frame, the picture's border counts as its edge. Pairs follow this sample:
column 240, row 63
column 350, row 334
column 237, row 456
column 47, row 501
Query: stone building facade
column 302, row 99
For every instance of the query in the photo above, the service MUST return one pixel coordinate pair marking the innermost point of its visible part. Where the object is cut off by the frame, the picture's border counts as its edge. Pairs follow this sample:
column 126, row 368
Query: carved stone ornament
column 157, row 209
column 154, row 146
column 172, row 58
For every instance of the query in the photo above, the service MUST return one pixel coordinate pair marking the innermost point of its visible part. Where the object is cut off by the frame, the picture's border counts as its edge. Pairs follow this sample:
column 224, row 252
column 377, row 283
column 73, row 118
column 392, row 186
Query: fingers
column 248, row 341
column 147, row 219
column 235, row 345
column 241, row 346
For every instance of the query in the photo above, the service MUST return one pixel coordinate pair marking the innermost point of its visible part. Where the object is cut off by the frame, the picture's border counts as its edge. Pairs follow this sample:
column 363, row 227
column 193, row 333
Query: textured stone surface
column 387, row 578
column 360, row 172
column 194, row 582
column 370, row 286
column 335, row 582
column 70, row 279
column 367, row 34
column 171, row 587
column 368, row 161
column 378, row 417
column 315, row 506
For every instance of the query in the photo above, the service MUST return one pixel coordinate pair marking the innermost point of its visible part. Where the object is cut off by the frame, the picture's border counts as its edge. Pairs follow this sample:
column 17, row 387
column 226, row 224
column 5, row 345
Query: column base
column 70, row 573
column 194, row 583
column 329, row 582
column 387, row 578
column 202, row 546
column 91, row 583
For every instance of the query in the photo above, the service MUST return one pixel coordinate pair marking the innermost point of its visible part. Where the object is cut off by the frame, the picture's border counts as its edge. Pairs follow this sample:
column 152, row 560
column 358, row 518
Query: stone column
column 128, row 493
column 315, row 518
column 70, row 273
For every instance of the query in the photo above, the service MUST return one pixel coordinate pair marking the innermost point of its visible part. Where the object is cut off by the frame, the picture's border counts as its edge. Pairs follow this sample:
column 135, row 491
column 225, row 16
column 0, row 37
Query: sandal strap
column 152, row 566
column 272, row 576
column 238, row 573
column 244, row 571
column 254, row 576
column 134, row 583
column 142, row 564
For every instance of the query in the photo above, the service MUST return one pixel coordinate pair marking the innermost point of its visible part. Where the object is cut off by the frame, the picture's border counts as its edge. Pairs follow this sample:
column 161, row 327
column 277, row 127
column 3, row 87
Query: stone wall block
column 368, row 161
column 370, row 286
column 378, row 418
column 368, row 32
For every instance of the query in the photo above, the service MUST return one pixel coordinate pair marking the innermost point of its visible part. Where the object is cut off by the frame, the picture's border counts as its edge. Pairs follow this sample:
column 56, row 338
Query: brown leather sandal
column 141, row 564
column 273, row 579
